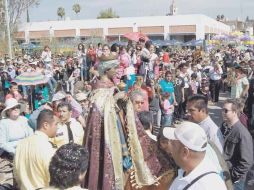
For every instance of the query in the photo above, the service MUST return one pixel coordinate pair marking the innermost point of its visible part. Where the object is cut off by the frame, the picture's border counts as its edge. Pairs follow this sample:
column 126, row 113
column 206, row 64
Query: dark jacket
column 238, row 151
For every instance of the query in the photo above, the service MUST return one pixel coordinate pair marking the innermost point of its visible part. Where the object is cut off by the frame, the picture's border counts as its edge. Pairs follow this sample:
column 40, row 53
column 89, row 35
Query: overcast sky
column 129, row 8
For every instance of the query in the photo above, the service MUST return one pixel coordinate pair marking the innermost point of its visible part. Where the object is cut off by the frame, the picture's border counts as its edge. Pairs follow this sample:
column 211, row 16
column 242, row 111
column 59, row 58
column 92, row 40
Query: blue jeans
column 24, row 90
column 239, row 185
column 47, row 64
column 166, row 120
column 86, row 67
column 52, row 84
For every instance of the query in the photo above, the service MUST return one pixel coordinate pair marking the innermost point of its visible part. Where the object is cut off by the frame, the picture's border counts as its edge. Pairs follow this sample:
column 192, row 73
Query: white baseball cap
column 189, row 134
column 58, row 96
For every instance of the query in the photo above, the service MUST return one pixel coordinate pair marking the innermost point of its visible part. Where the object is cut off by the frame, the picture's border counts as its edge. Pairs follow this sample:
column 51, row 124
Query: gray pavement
column 215, row 110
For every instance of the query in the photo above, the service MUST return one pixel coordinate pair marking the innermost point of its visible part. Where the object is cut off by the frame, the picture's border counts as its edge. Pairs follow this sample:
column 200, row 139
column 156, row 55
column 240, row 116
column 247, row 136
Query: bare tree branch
column 17, row 7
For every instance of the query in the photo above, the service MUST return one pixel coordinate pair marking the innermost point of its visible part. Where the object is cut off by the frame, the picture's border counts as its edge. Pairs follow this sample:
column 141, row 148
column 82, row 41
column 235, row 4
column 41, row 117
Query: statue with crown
column 119, row 159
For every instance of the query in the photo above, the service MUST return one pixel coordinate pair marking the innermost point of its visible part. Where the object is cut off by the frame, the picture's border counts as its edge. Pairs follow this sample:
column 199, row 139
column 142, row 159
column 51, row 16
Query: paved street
column 215, row 111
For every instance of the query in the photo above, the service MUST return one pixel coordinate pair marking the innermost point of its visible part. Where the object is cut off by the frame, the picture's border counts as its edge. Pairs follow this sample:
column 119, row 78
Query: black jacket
column 238, row 151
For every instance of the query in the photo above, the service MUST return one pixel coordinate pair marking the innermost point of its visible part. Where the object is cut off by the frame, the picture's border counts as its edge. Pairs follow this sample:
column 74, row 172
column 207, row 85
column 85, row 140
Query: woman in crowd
column 13, row 128
column 137, row 98
column 125, row 62
column 115, row 49
column 152, row 63
column 46, row 57
column 82, row 61
column 240, row 87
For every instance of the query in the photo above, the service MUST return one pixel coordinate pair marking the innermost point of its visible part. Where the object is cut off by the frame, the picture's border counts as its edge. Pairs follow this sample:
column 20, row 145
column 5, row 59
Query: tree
column 3, row 42
column 108, row 13
column 17, row 8
column 76, row 8
column 61, row 12
column 2, row 13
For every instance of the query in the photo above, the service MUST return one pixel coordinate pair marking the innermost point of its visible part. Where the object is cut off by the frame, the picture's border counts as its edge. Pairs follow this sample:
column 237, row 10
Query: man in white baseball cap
column 188, row 148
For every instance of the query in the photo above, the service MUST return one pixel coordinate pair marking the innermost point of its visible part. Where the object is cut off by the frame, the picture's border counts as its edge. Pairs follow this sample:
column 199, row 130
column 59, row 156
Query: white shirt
column 213, row 132
column 11, row 132
column 62, row 136
column 215, row 75
column 46, row 56
column 152, row 61
column 208, row 182
column 219, row 56
column 237, row 89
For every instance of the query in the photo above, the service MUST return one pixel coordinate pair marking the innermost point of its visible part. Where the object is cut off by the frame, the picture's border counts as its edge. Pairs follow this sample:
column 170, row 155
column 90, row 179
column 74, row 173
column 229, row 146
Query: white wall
column 196, row 19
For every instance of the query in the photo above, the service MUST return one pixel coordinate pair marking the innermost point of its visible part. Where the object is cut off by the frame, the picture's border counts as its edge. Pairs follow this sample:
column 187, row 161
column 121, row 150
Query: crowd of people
column 129, row 117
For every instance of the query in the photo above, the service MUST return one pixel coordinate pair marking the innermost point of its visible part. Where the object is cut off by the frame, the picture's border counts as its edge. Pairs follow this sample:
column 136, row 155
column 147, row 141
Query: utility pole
column 7, row 19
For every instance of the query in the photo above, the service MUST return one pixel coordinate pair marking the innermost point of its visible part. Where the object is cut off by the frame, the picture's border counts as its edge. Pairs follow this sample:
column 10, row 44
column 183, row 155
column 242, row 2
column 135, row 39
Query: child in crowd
column 154, row 106
column 204, row 89
column 167, row 110
column 14, row 93
column 194, row 83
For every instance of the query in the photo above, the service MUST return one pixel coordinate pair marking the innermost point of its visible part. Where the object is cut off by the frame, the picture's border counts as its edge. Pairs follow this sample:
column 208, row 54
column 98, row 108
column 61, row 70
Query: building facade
column 180, row 27
column 246, row 27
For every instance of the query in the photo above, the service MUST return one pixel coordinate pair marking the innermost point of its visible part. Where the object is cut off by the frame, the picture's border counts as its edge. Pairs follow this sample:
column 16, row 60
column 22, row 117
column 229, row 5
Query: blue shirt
column 167, row 87
column 11, row 132
column 43, row 92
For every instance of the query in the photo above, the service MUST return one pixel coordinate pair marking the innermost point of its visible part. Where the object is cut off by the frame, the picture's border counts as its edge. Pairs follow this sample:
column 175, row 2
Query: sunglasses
column 139, row 102
column 226, row 110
